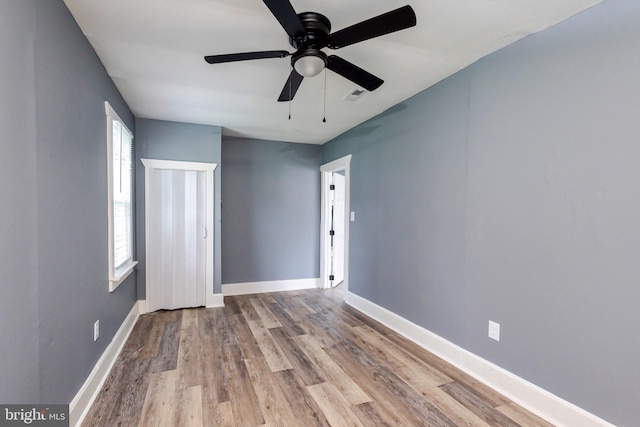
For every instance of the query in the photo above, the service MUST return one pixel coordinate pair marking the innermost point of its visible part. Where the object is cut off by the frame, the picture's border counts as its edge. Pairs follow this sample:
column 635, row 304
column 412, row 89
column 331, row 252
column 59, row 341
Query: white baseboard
column 215, row 300
column 83, row 400
column 143, row 306
column 272, row 286
column 533, row 398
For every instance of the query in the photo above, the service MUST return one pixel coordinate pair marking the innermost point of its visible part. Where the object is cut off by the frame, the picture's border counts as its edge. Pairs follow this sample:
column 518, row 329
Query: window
column 120, row 193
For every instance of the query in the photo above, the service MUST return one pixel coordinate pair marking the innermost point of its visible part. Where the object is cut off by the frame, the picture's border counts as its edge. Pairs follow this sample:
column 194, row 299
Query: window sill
column 121, row 274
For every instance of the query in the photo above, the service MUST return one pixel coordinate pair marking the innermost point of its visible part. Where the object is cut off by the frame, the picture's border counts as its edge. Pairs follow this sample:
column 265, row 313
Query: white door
column 337, row 225
column 176, row 236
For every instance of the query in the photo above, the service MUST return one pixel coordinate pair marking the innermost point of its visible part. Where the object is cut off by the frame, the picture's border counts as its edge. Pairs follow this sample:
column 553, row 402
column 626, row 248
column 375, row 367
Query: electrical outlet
column 96, row 330
column 494, row 330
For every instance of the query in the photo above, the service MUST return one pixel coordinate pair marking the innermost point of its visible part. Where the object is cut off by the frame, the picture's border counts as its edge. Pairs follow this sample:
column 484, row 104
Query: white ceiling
column 153, row 50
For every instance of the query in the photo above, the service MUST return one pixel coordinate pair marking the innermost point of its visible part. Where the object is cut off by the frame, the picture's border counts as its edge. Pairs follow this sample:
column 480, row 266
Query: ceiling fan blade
column 232, row 57
column 287, row 17
column 389, row 22
column 290, row 87
column 354, row 73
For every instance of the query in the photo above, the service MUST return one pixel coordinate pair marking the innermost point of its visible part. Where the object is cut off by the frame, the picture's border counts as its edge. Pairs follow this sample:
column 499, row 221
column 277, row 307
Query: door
column 176, row 236
column 337, row 228
column 335, row 219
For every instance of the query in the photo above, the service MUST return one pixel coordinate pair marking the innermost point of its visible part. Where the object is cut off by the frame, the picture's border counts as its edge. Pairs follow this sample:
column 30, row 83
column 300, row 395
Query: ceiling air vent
column 354, row 95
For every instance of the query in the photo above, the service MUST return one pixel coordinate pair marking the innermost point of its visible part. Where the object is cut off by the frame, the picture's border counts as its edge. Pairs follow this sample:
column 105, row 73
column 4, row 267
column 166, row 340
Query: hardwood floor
column 299, row 358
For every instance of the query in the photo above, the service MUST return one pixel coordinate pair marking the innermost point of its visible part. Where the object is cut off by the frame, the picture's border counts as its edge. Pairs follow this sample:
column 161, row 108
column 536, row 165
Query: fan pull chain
column 324, row 111
column 290, row 92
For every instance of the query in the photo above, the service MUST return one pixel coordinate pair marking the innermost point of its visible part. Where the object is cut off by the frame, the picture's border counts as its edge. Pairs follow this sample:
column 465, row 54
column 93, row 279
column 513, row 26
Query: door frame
column 343, row 163
column 208, row 168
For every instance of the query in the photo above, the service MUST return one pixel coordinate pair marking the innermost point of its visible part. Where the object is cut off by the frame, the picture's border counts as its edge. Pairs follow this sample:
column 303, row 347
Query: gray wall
column 55, row 279
column 18, row 200
column 270, row 211
column 156, row 139
column 510, row 192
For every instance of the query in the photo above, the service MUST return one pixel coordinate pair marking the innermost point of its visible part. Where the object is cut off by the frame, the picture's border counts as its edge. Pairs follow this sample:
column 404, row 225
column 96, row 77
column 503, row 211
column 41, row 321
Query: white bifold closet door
column 176, row 233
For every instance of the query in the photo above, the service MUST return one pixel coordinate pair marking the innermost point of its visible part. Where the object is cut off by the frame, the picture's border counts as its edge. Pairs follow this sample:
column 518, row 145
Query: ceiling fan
column 309, row 33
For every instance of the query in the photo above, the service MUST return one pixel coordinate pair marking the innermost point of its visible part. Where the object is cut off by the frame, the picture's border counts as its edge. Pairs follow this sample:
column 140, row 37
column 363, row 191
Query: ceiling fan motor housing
column 317, row 28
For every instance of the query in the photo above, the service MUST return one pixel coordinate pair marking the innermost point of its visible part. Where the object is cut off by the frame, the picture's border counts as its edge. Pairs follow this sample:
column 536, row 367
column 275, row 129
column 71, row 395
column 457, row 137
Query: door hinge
column 332, row 187
column 332, row 232
column 331, row 277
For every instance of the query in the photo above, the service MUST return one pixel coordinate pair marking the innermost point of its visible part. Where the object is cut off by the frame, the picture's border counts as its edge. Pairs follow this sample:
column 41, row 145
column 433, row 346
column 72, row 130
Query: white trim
column 179, row 165
column 117, row 276
column 143, row 307
column 210, row 298
column 338, row 164
column 539, row 401
column 82, row 401
column 271, row 286
column 216, row 301
column 121, row 275
column 109, row 111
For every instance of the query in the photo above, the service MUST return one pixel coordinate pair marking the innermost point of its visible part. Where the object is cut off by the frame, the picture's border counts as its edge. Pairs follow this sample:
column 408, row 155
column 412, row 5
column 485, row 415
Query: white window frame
column 119, row 274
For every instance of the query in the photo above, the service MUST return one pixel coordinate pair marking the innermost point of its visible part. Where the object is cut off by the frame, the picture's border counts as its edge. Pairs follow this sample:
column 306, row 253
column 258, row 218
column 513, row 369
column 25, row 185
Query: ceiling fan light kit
column 310, row 32
column 309, row 62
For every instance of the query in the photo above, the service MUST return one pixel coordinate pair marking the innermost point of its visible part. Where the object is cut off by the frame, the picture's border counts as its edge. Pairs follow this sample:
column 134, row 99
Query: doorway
column 179, row 233
column 334, row 223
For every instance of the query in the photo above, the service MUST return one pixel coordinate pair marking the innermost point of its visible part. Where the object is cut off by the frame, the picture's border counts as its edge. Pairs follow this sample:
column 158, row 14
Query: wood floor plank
column 289, row 323
column 266, row 316
column 213, row 330
column 491, row 396
column 246, row 307
column 231, row 305
column 122, row 396
column 301, row 358
column 402, row 402
column 319, row 302
column 334, row 374
column 189, row 406
column 333, row 405
column 455, row 411
column 404, row 364
column 297, row 305
column 370, row 415
column 223, row 415
column 242, row 396
column 307, row 410
column 273, row 402
column 267, row 298
column 476, row 405
column 312, row 328
column 189, row 318
column 167, row 357
column 522, row 416
column 332, row 325
column 159, row 407
column 284, row 299
column 374, row 324
column 272, row 352
column 299, row 361
column 188, row 364
column 242, row 336
column 144, row 339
